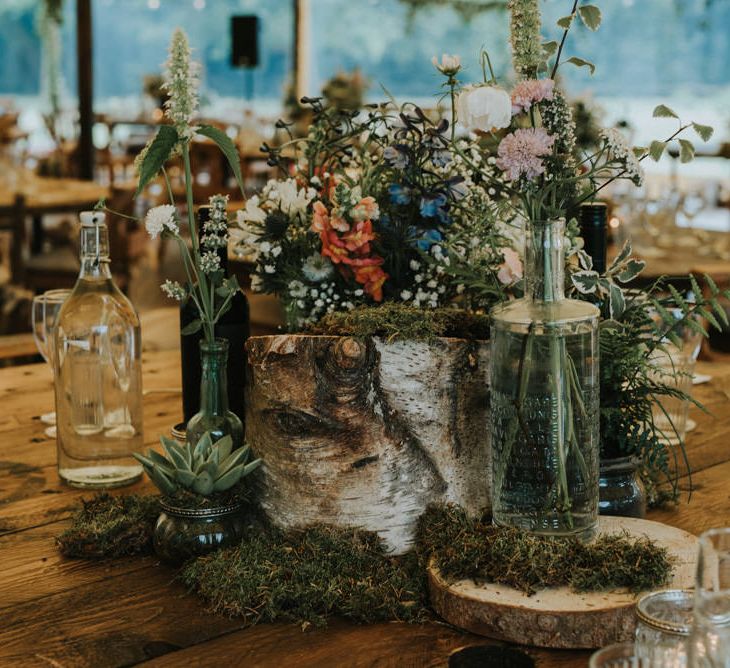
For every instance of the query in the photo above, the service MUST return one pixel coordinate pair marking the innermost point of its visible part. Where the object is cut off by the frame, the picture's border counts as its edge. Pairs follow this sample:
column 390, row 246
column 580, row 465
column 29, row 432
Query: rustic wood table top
column 67, row 612
column 45, row 194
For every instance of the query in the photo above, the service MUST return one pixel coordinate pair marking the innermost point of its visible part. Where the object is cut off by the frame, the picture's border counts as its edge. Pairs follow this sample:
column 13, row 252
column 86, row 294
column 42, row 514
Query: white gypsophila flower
column 269, row 269
column 484, row 107
column 297, row 289
column 251, row 213
column 161, row 218
column 210, row 262
column 405, row 295
column 181, row 84
column 449, row 65
column 620, row 150
column 317, row 268
column 173, row 290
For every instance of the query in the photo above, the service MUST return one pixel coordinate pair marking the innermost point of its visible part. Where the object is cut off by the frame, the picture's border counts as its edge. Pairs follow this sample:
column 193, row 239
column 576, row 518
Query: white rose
column 484, row 107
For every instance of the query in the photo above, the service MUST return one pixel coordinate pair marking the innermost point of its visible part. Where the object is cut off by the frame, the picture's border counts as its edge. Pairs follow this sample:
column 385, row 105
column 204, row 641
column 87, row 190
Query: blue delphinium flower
column 399, row 194
column 426, row 239
column 435, row 206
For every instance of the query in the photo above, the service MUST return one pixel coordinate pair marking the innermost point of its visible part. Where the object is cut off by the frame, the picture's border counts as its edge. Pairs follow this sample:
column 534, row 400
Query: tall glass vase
column 214, row 415
column 545, row 399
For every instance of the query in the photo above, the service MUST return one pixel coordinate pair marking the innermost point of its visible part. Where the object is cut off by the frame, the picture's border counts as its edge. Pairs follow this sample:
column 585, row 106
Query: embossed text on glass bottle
column 544, row 399
column 98, row 372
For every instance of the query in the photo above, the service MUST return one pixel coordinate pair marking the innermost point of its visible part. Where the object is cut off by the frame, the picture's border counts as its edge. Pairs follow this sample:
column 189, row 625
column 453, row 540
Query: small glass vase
column 183, row 533
column 214, row 416
column 621, row 491
column 545, row 399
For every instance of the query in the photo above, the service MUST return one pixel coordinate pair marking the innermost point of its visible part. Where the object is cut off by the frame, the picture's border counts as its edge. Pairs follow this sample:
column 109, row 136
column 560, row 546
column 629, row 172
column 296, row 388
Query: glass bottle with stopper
column 98, row 372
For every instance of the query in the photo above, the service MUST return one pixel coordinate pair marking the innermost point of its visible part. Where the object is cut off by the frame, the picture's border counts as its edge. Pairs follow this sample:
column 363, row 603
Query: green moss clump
column 464, row 547
column 397, row 321
column 184, row 498
column 308, row 576
column 111, row 526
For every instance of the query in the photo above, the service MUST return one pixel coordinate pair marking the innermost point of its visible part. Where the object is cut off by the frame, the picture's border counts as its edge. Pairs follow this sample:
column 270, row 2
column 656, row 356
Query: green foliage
column 703, row 131
column 591, row 16
column 155, row 154
column 686, row 150
column 466, row 547
column 580, row 62
column 635, row 326
column 663, row 111
column 308, row 576
column 203, row 469
column 656, row 149
column 398, row 321
column 111, row 526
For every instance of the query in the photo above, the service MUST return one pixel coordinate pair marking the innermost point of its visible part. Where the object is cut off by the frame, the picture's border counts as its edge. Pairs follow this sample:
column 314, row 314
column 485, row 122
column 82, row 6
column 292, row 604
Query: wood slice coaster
column 560, row 617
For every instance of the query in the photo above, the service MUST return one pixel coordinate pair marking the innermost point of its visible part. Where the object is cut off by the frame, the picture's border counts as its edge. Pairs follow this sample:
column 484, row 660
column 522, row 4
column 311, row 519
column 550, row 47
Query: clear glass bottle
column 214, row 415
column 545, row 399
column 709, row 645
column 621, row 490
column 98, row 372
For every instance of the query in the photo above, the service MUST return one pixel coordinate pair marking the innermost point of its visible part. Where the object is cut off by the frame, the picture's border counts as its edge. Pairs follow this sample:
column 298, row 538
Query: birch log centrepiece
column 367, row 433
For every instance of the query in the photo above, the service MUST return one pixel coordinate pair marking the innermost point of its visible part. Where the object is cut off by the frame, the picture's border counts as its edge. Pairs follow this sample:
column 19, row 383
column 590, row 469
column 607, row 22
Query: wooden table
column 63, row 612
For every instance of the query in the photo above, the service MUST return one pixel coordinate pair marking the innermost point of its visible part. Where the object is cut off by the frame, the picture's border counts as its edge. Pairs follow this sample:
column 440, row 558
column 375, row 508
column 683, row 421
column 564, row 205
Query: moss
column 308, row 576
column 111, row 526
column 185, row 498
column 465, row 547
column 398, row 321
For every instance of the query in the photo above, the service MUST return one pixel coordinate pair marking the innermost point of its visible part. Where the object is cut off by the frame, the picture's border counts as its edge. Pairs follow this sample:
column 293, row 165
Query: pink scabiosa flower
column 528, row 92
column 520, row 153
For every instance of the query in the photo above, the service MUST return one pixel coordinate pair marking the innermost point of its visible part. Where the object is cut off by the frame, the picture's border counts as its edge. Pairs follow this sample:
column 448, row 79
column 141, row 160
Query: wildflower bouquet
column 378, row 206
column 544, row 365
column 206, row 286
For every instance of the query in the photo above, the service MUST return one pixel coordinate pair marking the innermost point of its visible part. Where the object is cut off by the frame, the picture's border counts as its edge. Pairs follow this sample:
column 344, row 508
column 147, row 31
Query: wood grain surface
column 62, row 612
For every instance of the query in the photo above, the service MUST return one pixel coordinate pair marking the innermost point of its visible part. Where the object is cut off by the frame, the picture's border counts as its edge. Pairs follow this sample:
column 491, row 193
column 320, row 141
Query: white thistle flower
column 316, row 268
column 161, row 218
column 173, row 290
column 181, row 84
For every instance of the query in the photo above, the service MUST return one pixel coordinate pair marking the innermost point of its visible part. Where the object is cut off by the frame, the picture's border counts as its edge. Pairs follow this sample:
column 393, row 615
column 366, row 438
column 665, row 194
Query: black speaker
column 244, row 41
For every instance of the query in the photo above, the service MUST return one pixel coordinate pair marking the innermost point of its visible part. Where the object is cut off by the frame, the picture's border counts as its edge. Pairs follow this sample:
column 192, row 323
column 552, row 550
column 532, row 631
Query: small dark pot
column 620, row 488
column 184, row 533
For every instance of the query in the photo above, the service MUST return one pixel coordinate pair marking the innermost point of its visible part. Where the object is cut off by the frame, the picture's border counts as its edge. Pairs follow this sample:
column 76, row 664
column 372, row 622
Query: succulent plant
column 203, row 469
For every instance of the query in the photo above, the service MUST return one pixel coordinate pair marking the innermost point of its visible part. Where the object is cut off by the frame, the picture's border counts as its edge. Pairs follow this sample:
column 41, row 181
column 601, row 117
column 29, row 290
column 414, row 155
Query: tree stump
column 366, row 433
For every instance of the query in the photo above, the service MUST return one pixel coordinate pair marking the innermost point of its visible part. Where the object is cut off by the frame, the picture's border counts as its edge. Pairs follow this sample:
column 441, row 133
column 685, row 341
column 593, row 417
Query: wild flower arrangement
column 379, row 206
column 545, row 433
column 206, row 286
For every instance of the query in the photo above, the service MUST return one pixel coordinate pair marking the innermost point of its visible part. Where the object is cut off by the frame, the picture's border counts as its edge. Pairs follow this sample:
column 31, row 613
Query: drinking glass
column 674, row 365
column 43, row 316
column 710, row 639
column 620, row 655
column 663, row 628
